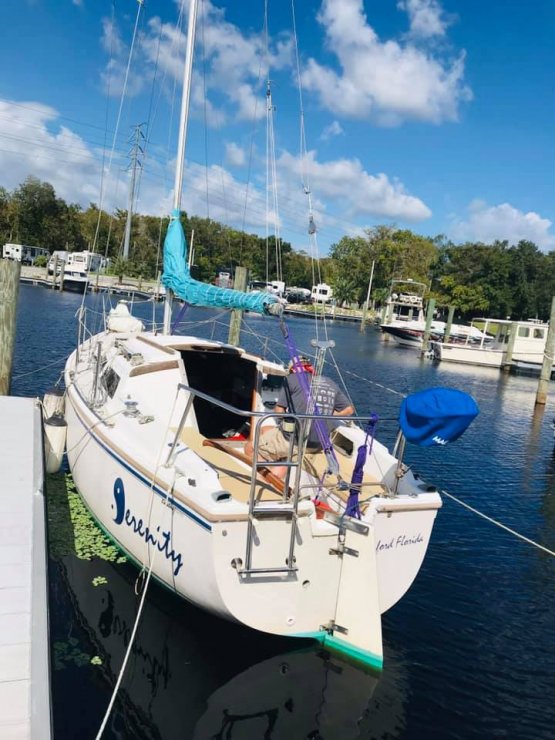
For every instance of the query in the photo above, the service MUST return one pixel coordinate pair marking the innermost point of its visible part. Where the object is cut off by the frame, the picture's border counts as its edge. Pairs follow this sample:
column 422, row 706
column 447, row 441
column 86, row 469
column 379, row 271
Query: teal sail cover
column 177, row 278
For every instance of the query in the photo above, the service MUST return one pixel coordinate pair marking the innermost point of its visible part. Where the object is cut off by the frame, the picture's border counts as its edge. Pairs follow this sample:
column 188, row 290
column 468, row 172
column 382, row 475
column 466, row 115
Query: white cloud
column 34, row 143
column 31, row 146
column 114, row 75
column 230, row 63
column 426, row 17
column 227, row 197
column 487, row 223
column 358, row 193
column 334, row 129
column 235, row 155
column 387, row 81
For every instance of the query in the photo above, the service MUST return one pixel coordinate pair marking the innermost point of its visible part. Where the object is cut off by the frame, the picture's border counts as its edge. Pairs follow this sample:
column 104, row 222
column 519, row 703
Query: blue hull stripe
column 141, row 477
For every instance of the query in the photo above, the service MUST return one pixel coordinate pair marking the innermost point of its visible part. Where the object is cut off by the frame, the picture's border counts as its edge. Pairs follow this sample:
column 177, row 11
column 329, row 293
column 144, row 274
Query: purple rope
column 319, row 424
column 353, row 506
column 182, row 310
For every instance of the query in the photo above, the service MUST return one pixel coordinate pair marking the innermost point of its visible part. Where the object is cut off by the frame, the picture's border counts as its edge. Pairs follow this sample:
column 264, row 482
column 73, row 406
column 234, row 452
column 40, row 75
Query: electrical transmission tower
column 136, row 152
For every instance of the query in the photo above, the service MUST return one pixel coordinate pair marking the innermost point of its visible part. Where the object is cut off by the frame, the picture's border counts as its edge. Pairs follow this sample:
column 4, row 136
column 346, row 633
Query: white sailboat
column 322, row 554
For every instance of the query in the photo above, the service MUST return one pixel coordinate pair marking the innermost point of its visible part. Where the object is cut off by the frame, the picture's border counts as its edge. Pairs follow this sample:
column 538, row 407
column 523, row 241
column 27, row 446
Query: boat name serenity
column 138, row 526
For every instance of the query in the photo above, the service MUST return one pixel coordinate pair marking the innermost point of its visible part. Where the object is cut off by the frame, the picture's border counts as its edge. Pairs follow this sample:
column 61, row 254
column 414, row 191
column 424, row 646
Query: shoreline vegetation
column 497, row 279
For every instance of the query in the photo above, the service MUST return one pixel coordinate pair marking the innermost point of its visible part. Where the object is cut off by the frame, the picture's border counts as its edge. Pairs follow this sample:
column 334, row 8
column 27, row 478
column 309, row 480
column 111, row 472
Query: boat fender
column 53, row 402
column 55, row 432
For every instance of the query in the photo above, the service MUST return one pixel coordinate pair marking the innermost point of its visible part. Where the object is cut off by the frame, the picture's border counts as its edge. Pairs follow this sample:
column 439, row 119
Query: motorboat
column 75, row 279
column 518, row 344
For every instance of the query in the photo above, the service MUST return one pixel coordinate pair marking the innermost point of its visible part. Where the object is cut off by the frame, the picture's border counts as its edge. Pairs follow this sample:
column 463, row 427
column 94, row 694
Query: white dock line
column 498, row 524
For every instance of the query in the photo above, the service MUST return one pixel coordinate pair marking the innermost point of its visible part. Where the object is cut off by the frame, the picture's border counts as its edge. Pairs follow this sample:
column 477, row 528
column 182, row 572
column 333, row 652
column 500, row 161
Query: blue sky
column 435, row 116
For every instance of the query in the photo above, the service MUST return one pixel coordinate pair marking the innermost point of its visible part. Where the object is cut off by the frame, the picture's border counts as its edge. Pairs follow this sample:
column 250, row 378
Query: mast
column 183, row 123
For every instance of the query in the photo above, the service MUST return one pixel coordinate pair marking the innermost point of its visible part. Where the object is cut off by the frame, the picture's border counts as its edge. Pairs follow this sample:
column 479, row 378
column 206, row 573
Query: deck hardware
column 346, row 522
column 341, row 550
column 332, row 627
column 131, row 409
column 237, row 563
column 267, row 571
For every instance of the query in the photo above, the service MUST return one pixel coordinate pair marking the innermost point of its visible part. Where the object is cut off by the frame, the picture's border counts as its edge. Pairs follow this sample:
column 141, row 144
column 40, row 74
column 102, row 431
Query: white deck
column 24, row 651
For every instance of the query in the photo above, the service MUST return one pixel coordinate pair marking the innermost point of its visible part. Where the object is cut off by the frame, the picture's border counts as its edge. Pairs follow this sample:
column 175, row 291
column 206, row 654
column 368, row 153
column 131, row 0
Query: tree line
column 497, row 279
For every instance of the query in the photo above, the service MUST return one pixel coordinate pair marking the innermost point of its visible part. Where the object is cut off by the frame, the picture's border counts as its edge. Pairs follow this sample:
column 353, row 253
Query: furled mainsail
column 176, row 277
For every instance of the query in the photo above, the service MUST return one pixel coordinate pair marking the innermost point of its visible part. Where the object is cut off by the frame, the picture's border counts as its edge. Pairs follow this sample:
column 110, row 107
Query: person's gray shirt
column 327, row 396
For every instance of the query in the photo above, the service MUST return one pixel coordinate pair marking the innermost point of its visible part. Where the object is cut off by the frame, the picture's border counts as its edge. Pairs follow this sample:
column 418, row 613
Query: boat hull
column 75, row 286
column 469, row 355
column 200, row 557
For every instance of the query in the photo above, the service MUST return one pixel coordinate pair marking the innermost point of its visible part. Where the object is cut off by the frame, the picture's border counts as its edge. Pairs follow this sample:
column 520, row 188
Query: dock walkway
column 24, row 650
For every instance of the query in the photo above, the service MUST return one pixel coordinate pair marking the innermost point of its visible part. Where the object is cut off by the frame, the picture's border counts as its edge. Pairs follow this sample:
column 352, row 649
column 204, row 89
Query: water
column 468, row 651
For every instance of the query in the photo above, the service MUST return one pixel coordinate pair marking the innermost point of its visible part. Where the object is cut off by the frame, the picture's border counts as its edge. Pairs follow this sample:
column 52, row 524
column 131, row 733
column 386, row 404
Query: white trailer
column 23, row 253
column 321, row 293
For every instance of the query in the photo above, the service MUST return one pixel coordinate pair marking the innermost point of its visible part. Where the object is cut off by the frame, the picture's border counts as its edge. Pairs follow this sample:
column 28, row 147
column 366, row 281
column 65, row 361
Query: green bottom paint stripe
column 344, row 648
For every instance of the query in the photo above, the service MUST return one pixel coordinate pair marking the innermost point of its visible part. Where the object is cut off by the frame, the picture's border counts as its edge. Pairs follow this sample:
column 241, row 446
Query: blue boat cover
column 436, row 416
column 177, row 278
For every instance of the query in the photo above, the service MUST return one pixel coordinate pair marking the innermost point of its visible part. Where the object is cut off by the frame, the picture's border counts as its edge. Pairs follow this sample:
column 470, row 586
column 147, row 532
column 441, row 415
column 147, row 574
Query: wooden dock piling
column 429, row 319
column 447, row 332
column 239, row 283
column 547, row 367
column 9, row 288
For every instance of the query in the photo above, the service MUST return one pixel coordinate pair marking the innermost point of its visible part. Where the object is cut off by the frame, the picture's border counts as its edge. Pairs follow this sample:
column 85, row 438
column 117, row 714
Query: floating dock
column 25, row 705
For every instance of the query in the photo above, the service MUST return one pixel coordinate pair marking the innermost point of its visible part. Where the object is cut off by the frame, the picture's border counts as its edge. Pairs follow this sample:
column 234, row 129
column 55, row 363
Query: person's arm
column 342, row 406
column 279, row 409
column 347, row 411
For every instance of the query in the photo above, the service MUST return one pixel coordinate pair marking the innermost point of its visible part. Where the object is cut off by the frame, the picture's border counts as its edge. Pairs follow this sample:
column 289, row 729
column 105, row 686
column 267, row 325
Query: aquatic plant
column 69, row 653
column 71, row 528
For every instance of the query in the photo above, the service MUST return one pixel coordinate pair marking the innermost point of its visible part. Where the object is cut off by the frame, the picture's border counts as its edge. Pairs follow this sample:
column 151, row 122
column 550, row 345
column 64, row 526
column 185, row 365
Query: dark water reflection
column 468, row 651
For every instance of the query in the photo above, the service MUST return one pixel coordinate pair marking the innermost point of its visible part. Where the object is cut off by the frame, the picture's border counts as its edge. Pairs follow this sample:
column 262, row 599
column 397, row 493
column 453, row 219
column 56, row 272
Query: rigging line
column 202, row 24
column 123, row 92
column 150, row 117
column 497, row 523
column 146, row 584
column 78, row 151
column 313, row 240
column 251, row 157
column 227, row 228
column 40, row 369
column 273, row 172
column 106, row 115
